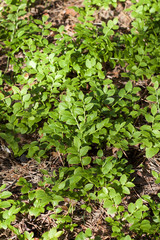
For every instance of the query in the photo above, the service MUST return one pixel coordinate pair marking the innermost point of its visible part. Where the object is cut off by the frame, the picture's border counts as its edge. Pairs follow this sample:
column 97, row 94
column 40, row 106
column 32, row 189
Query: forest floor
column 11, row 169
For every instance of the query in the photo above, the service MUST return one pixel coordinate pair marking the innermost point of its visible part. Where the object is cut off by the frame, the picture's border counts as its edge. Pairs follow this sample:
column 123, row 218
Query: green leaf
column 8, row 101
column 81, row 236
column 156, row 126
column 93, row 61
column 131, row 207
column 32, row 64
column 117, row 199
column 110, row 92
column 61, row 29
column 150, row 152
column 28, row 236
column 88, row 63
column 116, row 229
column 89, row 106
column 112, row 193
column 40, row 194
column 36, row 211
column 86, row 161
column 81, row 95
column 110, row 24
column 1, row 96
column 106, row 168
column 78, row 111
column 152, row 98
column 71, row 122
column 127, row 238
column 99, row 66
column 126, row 190
column 73, row 159
column 15, row 89
column 145, row 225
column 87, row 100
column 73, row 150
column 40, row 76
column 16, row 107
column 156, row 85
column 149, row 118
column 112, row 210
column 77, row 142
column 5, row 194
column 24, row 90
column 77, row 68
column 139, row 203
column 31, row 195
column 62, row 63
column 32, row 150
column 100, row 125
column 5, row 204
column 130, row 184
column 88, row 232
column 54, row 234
column 157, row 180
column 25, row 189
column 89, row 209
column 122, row 92
column 22, row 181
column 84, row 150
column 100, row 153
column 107, row 203
column 155, row 174
column 26, row 97
column 128, row 86
column 62, row 106
column 45, row 17
column 146, row 128
column 88, row 187
column 154, row 110
column 123, row 179
column 139, row 72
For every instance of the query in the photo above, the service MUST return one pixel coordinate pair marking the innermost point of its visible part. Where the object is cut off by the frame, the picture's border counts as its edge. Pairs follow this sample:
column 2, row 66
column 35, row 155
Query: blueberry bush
column 61, row 92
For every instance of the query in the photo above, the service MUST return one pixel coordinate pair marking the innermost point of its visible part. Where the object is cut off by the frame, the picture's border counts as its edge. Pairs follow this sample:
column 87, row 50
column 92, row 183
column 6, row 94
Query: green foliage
column 142, row 47
column 86, row 235
column 102, row 3
column 62, row 93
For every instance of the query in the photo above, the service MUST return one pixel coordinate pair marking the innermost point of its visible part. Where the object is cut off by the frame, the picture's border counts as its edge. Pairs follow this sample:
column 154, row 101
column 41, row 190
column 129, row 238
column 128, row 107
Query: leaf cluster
column 61, row 92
